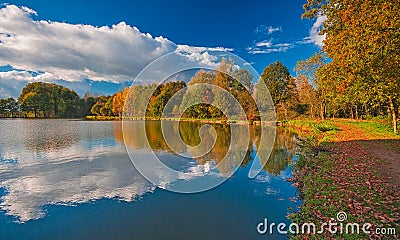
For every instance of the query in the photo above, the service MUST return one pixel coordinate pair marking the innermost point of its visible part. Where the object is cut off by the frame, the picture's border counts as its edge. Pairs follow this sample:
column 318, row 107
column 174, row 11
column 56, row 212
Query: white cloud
column 201, row 54
column 74, row 52
column 265, row 43
column 272, row 29
column 267, row 30
column 26, row 76
column 267, row 46
column 314, row 36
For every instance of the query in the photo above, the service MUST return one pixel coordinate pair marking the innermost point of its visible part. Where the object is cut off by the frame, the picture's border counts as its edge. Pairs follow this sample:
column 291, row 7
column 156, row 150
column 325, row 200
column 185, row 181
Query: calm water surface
column 65, row 179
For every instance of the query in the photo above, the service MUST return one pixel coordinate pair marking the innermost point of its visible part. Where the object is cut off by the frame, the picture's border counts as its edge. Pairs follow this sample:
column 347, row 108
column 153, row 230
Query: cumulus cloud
column 75, row 52
column 201, row 54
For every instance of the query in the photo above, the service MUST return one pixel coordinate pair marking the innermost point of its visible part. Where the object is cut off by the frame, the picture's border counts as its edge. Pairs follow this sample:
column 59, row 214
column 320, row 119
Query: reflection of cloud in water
column 272, row 191
column 263, row 178
column 197, row 171
column 102, row 173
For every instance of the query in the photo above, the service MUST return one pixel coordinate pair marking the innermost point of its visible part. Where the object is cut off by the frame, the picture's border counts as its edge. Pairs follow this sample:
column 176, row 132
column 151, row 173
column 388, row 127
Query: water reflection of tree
column 281, row 156
column 141, row 134
column 282, row 153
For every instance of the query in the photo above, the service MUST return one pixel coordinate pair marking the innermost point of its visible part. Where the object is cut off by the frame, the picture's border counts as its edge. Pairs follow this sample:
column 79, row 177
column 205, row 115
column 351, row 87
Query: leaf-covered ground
column 351, row 167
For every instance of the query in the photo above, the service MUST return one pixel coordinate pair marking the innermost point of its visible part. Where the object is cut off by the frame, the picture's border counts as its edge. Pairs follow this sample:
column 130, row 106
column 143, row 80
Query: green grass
column 326, row 126
column 375, row 129
column 317, row 132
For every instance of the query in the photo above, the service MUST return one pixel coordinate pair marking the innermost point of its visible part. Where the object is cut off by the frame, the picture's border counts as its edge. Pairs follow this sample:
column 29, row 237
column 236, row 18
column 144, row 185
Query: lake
column 70, row 179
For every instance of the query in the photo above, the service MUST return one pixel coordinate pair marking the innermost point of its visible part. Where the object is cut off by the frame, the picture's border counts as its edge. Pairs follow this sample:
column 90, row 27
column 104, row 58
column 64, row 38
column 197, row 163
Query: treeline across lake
column 308, row 95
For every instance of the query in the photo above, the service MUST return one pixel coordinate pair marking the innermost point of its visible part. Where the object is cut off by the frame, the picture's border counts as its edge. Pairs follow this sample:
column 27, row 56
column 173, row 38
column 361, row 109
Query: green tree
column 276, row 77
column 49, row 100
column 35, row 98
column 280, row 85
column 99, row 105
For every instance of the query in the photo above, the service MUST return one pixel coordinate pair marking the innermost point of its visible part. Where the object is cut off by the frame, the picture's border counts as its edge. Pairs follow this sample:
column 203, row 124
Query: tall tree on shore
column 99, row 109
column 276, row 77
column 280, row 85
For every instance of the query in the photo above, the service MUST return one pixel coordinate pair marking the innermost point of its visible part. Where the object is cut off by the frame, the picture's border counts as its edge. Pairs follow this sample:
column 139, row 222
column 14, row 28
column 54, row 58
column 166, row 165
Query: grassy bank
column 349, row 166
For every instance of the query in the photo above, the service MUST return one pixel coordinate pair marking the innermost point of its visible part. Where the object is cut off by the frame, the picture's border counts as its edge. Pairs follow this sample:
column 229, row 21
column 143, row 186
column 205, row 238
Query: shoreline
column 210, row 121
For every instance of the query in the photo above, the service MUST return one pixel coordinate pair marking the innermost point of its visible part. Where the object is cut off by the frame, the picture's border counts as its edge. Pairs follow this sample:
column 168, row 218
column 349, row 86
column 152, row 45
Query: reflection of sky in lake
column 47, row 163
column 82, row 166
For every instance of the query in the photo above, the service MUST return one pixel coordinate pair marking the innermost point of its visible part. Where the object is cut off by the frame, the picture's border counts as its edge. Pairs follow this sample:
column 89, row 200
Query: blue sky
column 84, row 45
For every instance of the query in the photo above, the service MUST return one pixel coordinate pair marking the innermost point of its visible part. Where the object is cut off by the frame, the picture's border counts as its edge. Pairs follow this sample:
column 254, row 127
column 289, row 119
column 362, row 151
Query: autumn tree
column 236, row 82
column 137, row 100
column 203, row 94
column 242, row 89
column 118, row 102
column 307, row 97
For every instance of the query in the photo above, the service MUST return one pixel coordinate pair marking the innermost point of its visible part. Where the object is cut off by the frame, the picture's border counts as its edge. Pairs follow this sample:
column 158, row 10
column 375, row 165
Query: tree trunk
column 356, row 112
column 393, row 111
column 352, row 113
column 366, row 110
